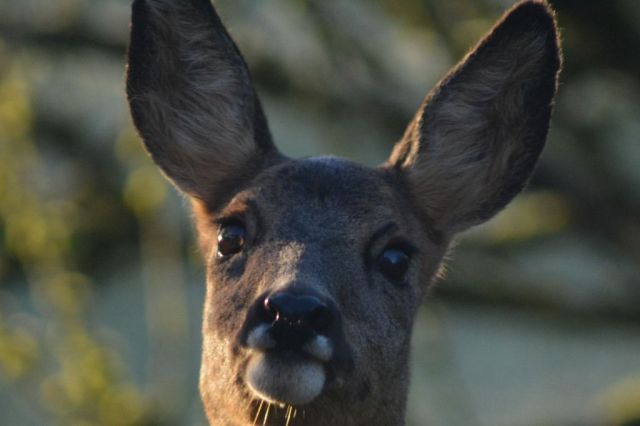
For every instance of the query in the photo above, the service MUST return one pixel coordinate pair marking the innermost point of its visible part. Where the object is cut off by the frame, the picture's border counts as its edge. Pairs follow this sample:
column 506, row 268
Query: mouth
column 291, row 376
column 285, row 378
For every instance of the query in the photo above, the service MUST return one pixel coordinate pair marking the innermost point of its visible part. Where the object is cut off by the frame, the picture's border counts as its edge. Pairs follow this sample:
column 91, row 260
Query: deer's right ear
column 192, row 99
column 477, row 137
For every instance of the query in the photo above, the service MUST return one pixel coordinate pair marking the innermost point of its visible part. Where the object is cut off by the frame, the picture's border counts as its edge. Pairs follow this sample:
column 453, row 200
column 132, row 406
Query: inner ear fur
column 192, row 99
column 477, row 136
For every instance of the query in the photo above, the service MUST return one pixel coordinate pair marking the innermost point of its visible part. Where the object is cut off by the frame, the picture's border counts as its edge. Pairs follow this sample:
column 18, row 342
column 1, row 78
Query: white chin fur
column 287, row 381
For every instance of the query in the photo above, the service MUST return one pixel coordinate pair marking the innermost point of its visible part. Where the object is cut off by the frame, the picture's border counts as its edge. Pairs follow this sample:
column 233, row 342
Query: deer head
column 316, row 266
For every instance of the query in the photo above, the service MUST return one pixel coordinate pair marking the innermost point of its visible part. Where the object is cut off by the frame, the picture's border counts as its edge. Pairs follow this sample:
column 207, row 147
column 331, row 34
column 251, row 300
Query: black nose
column 291, row 313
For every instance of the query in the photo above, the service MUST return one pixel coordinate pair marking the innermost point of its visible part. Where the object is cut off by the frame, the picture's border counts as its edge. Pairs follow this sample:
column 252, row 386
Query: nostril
column 300, row 312
column 270, row 310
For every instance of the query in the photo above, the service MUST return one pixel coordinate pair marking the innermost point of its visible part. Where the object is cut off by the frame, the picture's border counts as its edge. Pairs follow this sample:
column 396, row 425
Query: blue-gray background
column 537, row 323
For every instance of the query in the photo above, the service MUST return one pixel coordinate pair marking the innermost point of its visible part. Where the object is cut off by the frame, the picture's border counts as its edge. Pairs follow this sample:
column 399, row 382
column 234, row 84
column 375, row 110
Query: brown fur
column 320, row 224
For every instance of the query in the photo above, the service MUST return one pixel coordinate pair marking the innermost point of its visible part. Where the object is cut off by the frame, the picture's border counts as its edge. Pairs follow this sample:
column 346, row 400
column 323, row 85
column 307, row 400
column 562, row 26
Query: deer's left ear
column 477, row 136
column 192, row 98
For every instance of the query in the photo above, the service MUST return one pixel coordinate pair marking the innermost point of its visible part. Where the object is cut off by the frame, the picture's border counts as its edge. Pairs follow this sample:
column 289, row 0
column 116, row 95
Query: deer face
column 315, row 267
column 315, row 271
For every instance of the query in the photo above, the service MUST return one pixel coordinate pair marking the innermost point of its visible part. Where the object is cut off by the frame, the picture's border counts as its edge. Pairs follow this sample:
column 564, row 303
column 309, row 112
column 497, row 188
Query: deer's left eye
column 394, row 263
column 231, row 239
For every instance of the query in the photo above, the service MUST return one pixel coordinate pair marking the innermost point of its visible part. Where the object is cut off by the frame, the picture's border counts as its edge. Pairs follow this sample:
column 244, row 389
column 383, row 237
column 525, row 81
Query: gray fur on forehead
column 325, row 179
column 321, row 198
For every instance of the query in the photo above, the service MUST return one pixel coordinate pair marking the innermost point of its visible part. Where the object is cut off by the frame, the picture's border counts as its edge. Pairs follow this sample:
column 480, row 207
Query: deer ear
column 477, row 136
column 191, row 97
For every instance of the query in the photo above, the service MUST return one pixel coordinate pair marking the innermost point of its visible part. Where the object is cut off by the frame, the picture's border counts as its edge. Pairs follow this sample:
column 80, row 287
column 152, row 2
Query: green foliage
column 84, row 384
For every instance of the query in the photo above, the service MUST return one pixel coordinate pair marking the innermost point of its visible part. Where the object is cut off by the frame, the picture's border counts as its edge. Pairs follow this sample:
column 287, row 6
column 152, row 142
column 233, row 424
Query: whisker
column 289, row 409
column 266, row 414
column 255, row 420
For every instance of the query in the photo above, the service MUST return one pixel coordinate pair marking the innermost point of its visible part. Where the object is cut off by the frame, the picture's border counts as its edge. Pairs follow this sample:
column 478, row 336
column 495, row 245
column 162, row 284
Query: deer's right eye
column 231, row 238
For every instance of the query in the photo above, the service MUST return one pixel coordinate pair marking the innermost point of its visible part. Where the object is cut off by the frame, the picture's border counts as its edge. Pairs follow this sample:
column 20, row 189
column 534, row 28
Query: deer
column 316, row 267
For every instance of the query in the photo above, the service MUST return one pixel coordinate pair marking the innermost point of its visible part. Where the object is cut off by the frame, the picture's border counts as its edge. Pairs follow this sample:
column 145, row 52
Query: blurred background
column 101, row 285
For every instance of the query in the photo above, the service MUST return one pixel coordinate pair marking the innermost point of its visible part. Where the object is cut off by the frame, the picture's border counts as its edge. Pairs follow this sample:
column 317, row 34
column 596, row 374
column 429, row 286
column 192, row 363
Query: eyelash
column 400, row 243
column 229, row 220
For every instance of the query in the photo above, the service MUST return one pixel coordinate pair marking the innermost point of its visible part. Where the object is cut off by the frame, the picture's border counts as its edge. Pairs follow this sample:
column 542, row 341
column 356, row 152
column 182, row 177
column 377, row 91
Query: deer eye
column 231, row 238
column 393, row 263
